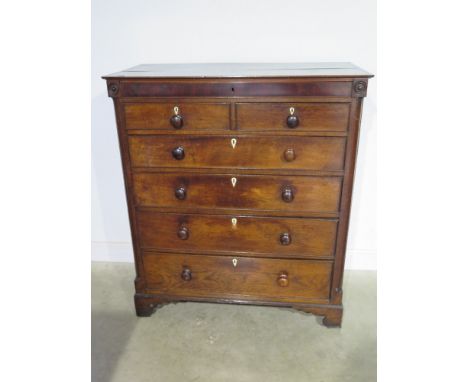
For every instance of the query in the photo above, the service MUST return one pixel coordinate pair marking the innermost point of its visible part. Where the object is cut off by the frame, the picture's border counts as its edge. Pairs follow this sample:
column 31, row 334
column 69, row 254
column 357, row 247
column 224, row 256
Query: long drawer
column 237, row 277
column 272, row 236
column 299, row 194
column 234, row 151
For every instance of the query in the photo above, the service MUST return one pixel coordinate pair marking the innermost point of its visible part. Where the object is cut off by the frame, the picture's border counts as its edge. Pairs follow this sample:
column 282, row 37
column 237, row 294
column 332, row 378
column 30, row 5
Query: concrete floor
column 216, row 342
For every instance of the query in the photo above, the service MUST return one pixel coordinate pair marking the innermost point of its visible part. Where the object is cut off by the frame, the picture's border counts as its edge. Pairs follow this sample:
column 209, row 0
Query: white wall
column 130, row 32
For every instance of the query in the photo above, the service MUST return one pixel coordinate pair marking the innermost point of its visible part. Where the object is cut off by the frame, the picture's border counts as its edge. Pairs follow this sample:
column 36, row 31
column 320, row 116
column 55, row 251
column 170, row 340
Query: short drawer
column 302, row 116
column 233, row 151
column 275, row 237
column 177, row 116
column 241, row 277
column 264, row 192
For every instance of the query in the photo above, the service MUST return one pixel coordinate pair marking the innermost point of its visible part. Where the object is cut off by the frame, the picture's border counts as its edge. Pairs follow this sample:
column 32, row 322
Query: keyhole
column 233, row 181
column 234, row 262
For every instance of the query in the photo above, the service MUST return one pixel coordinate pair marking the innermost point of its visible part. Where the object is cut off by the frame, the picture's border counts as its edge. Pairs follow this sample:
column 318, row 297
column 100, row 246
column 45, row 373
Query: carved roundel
column 360, row 88
column 113, row 89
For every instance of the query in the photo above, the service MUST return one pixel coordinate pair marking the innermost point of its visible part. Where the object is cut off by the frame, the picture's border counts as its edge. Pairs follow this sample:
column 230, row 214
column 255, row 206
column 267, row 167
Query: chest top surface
column 243, row 70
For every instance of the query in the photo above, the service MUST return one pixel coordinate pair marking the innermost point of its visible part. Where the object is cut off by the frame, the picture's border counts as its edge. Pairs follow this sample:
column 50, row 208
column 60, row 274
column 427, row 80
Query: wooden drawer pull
column 180, row 193
column 178, row 153
column 183, row 233
column 289, row 155
column 283, row 280
column 293, row 120
column 285, row 238
column 186, row 274
column 287, row 194
column 176, row 120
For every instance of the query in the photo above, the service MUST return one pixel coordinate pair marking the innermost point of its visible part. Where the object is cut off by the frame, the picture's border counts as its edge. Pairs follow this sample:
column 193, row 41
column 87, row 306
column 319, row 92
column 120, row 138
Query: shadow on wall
column 109, row 209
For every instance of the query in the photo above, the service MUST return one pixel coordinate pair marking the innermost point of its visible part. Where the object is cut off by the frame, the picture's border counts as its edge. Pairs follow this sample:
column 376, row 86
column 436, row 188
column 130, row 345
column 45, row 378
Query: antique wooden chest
column 239, row 180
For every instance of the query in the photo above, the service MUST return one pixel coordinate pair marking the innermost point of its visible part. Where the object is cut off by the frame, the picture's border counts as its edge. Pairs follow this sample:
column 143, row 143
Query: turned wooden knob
column 183, row 233
column 178, row 153
column 285, row 238
column 186, row 274
column 289, row 155
column 283, row 279
column 292, row 121
column 177, row 121
column 180, row 193
column 287, row 194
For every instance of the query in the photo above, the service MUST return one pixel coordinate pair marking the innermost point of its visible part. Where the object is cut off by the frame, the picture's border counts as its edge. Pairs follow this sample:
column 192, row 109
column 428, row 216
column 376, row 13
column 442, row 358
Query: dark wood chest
column 239, row 180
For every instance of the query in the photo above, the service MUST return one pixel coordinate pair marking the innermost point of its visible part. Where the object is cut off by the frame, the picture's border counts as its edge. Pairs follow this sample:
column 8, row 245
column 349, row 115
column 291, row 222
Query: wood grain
column 196, row 116
column 309, row 238
column 252, row 192
column 312, row 117
column 250, row 152
column 251, row 278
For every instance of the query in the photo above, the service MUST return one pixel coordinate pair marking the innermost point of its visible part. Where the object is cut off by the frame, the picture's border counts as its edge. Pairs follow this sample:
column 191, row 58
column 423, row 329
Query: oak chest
column 239, row 180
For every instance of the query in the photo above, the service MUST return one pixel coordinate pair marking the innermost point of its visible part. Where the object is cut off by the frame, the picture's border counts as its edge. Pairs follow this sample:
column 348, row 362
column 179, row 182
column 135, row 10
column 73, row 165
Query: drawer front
column 264, row 192
column 308, row 153
column 276, row 237
column 194, row 116
column 309, row 116
column 241, row 277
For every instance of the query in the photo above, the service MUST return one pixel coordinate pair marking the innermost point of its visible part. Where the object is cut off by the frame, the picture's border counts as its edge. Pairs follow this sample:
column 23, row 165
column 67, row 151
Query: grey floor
column 211, row 342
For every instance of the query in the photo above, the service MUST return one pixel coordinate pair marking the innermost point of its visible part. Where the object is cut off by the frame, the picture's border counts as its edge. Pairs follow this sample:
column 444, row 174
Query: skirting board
column 359, row 259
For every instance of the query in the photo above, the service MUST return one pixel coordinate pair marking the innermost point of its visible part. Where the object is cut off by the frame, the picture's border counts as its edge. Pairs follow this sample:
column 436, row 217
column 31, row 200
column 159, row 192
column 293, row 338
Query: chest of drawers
column 239, row 180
